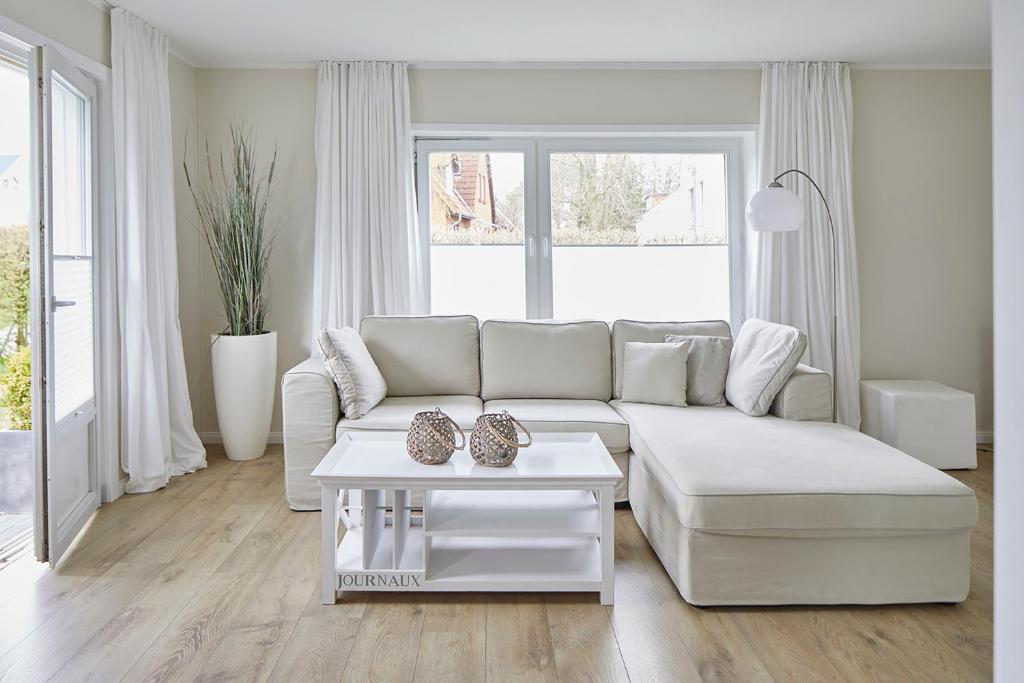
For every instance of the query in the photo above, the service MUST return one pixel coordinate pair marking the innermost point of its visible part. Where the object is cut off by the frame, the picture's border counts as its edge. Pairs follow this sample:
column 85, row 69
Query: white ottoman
column 930, row 421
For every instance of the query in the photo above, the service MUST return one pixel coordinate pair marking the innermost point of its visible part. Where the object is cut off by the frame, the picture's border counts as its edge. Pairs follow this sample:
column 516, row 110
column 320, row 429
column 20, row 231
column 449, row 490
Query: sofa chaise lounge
column 783, row 509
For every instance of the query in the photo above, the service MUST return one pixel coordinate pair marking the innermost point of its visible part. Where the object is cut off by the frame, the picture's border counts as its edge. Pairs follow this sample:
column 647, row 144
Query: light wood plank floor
column 215, row 579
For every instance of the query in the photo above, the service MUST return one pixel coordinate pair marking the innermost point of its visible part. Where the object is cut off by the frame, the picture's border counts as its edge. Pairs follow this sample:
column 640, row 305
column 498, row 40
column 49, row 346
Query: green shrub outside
column 16, row 389
column 15, row 353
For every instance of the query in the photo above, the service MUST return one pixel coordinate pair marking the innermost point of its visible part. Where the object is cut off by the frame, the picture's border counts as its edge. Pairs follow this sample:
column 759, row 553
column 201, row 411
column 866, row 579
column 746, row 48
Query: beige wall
column 586, row 96
column 185, row 124
column 278, row 104
column 922, row 179
column 77, row 24
column 923, row 205
column 921, row 186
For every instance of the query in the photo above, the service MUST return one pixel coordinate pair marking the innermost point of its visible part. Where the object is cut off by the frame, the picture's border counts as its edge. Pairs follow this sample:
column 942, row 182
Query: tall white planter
column 244, row 377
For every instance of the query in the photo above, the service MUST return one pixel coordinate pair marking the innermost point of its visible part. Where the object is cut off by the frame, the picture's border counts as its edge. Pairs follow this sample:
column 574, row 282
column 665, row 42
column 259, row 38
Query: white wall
column 1008, row 163
column 921, row 187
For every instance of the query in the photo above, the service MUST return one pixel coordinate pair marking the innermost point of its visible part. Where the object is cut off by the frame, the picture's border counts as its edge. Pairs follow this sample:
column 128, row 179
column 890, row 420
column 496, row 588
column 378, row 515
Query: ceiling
column 299, row 32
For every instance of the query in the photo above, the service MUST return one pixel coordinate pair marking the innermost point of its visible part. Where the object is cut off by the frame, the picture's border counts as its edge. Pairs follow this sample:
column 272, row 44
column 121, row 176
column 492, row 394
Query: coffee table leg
column 607, row 503
column 329, row 544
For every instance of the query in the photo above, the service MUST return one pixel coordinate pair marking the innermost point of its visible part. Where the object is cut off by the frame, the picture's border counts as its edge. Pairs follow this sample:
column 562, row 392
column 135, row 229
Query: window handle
column 56, row 303
column 531, row 246
column 545, row 244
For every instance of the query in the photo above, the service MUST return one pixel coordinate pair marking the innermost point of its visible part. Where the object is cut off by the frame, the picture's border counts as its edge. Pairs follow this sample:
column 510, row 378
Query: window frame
column 736, row 143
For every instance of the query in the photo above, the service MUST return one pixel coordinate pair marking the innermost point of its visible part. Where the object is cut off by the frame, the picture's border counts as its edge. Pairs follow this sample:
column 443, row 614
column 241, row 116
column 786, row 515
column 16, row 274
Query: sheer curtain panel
column 158, row 439
column 367, row 255
column 807, row 123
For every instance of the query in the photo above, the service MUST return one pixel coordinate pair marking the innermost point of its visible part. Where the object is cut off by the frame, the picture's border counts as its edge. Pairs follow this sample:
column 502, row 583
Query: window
column 583, row 228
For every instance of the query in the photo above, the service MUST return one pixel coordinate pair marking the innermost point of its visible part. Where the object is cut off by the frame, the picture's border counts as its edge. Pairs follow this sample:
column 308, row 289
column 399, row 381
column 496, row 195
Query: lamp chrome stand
column 835, row 278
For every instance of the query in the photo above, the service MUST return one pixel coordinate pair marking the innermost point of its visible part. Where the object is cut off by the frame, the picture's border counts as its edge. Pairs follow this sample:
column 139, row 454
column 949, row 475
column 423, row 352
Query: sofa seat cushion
column 568, row 415
column 396, row 413
column 722, row 470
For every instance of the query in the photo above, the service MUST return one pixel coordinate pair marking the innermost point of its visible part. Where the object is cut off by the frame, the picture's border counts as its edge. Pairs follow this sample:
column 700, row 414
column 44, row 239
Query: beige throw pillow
column 764, row 355
column 707, row 366
column 655, row 373
column 360, row 384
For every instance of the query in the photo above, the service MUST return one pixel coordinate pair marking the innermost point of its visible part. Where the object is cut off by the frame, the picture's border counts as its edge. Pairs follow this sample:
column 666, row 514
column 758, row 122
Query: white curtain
column 157, row 433
column 367, row 256
column 807, row 123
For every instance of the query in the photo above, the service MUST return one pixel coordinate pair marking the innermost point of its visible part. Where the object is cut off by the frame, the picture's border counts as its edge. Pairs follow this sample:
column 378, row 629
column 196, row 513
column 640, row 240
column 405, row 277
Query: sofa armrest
column 806, row 395
column 310, row 413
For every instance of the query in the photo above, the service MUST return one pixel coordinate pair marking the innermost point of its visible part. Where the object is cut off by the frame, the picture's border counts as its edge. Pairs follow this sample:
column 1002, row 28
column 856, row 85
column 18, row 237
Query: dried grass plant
column 232, row 206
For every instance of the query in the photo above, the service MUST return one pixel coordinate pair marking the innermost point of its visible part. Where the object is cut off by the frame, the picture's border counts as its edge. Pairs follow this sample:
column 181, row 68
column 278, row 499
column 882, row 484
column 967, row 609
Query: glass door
column 64, row 302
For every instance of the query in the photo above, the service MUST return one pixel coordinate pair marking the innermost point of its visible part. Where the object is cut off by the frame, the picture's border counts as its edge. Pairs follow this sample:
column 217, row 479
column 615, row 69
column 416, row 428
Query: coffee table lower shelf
column 474, row 541
column 476, row 564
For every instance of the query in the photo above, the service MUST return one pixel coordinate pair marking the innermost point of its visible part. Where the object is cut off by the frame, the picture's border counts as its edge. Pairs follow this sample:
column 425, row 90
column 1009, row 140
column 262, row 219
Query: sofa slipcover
column 770, row 568
column 425, row 355
column 635, row 330
column 394, row 414
column 545, row 359
column 541, row 415
column 740, row 510
column 764, row 511
column 806, row 396
column 310, row 412
column 568, row 415
column 720, row 469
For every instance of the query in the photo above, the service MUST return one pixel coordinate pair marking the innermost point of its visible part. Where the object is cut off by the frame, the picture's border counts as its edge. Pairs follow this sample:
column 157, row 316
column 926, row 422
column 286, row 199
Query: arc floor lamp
column 776, row 209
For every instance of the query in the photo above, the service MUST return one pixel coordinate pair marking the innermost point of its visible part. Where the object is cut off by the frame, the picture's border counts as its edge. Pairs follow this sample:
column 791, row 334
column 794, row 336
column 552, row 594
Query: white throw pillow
column 360, row 384
column 655, row 373
column 763, row 357
column 707, row 365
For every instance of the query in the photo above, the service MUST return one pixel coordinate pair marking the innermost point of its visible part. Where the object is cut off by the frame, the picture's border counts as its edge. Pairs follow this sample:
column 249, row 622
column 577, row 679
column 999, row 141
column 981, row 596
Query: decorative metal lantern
column 431, row 438
column 494, row 441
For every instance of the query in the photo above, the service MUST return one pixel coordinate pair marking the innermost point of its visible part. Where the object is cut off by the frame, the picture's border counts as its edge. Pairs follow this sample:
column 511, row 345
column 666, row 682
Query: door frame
column 19, row 40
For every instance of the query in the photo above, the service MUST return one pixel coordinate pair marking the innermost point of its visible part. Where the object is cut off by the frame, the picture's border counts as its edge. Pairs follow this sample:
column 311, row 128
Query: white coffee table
column 545, row 523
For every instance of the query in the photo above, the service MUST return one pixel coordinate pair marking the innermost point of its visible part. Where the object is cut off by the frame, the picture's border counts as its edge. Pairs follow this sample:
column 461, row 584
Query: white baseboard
column 985, row 437
column 214, row 437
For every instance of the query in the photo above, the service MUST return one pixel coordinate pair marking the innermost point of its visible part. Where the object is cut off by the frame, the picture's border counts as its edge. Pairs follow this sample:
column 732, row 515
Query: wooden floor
column 15, row 537
column 215, row 579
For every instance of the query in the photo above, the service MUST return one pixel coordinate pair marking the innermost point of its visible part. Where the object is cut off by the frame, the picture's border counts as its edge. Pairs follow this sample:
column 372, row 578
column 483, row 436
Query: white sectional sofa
column 783, row 509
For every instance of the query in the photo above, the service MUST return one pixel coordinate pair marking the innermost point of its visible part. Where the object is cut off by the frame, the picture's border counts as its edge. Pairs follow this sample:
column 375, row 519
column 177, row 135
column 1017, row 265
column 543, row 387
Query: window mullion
column 545, row 296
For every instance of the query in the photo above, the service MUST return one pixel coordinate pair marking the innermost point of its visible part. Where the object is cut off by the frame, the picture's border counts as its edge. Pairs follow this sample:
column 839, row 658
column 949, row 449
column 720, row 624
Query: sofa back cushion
column 425, row 355
column 545, row 359
column 632, row 330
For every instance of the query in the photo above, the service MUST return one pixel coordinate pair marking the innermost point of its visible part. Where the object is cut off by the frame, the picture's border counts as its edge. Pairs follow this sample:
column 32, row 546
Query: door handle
column 56, row 303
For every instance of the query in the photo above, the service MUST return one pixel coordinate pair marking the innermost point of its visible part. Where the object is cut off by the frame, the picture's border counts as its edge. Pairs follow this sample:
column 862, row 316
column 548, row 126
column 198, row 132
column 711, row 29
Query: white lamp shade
column 775, row 209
